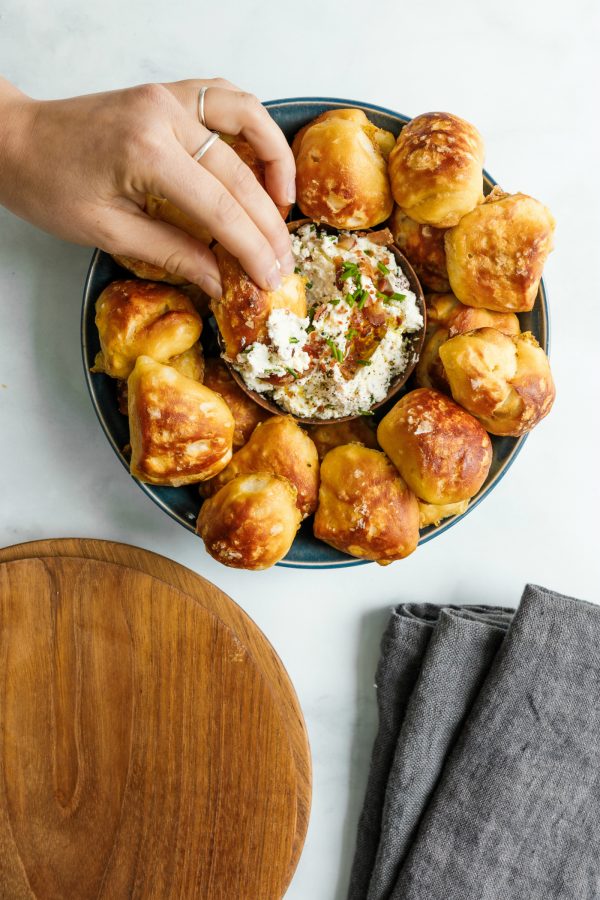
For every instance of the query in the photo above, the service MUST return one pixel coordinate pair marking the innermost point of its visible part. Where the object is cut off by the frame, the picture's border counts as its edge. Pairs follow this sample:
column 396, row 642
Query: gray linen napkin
column 506, row 805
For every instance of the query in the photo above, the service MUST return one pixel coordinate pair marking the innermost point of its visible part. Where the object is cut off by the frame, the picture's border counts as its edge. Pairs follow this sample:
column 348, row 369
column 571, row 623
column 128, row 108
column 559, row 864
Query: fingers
column 137, row 235
column 239, row 180
column 232, row 111
column 197, row 192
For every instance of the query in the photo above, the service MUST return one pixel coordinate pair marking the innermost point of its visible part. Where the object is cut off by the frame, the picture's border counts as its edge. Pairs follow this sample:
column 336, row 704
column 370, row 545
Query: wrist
column 17, row 114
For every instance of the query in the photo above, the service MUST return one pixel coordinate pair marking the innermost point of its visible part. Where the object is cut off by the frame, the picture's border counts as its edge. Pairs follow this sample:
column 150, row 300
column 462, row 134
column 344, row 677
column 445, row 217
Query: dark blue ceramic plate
column 182, row 504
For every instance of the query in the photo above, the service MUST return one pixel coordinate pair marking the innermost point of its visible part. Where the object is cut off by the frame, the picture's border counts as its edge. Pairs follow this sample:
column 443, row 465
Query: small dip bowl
column 414, row 343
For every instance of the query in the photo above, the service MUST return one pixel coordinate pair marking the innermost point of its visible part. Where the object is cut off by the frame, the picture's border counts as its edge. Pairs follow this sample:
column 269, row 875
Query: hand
column 81, row 169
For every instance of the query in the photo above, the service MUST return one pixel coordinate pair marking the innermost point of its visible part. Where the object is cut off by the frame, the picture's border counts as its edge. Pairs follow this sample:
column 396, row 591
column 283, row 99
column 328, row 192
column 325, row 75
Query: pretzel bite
column 181, row 432
column 243, row 309
column 251, row 521
column 341, row 170
column 503, row 380
column 496, row 254
column 355, row 431
column 281, row 447
column 467, row 318
column 136, row 318
column 441, row 451
column 436, row 169
column 365, row 507
column 423, row 246
column 430, row 372
column 246, row 413
column 430, row 514
column 189, row 363
column 447, row 317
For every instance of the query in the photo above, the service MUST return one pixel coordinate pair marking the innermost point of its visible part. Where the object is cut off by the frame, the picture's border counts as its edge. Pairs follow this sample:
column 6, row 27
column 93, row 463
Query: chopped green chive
column 364, row 362
column 335, row 350
column 368, row 252
column 362, row 296
column 310, row 329
column 351, row 334
column 349, row 298
column 309, row 285
column 292, row 372
column 294, row 340
column 383, row 269
column 350, row 270
column 398, row 297
column 296, row 270
column 335, row 300
column 365, row 412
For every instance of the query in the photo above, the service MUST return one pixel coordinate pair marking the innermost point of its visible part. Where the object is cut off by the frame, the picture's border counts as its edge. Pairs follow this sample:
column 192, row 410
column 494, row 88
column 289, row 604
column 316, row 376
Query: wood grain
column 232, row 615
column 143, row 753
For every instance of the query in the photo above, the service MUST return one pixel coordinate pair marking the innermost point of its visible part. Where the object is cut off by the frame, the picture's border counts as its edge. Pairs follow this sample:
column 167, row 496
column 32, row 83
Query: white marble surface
column 525, row 75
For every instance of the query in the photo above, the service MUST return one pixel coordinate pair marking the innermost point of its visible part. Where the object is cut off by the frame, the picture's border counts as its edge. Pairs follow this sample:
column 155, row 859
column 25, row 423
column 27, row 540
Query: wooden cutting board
column 144, row 752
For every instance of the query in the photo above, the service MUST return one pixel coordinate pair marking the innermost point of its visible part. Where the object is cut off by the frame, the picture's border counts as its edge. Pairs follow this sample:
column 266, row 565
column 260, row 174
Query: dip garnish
column 354, row 339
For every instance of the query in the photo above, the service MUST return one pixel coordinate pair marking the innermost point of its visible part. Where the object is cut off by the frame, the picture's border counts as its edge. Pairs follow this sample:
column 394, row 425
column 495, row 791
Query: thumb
column 164, row 245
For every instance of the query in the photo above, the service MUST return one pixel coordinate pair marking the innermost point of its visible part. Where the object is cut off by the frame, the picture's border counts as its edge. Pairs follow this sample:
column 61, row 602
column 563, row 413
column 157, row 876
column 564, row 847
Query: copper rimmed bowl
column 414, row 344
column 182, row 504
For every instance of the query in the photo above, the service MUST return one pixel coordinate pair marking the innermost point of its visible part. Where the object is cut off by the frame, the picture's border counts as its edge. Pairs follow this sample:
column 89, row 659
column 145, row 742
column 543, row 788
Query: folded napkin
column 485, row 774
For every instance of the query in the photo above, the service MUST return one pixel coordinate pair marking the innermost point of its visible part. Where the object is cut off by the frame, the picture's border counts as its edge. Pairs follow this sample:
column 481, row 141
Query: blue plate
column 182, row 504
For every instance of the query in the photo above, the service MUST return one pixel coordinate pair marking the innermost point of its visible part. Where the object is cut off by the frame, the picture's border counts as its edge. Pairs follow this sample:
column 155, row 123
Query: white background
column 525, row 74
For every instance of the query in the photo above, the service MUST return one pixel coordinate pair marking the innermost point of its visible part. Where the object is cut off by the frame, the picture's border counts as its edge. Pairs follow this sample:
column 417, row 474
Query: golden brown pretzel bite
column 243, row 309
column 441, row 451
column 365, row 507
column 251, row 521
column 436, row 169
column 341, row 170
column 496, row 253
column 281, row 447
column 136, row 318
column 503, row 380
column 180, row 431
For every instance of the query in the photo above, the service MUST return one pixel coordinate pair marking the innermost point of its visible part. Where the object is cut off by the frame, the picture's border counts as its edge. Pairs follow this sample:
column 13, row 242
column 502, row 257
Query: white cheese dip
column 341, row 358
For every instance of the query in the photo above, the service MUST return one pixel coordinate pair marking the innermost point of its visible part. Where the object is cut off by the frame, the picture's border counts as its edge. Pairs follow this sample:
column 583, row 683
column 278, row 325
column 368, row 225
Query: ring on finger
column 210, row 140
column 201, row 95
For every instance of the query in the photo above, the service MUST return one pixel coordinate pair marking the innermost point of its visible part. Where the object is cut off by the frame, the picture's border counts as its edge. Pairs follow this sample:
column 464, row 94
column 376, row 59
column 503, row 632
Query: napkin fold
column 485, row 773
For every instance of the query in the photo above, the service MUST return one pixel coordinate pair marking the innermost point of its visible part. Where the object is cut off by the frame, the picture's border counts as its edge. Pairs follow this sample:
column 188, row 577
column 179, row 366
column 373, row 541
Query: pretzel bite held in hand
column 365, row 507
column 136, row 318
column 246, row 413
column 423, row 246
column 503, row 380
column 354, row 431
column 251, row 521
column 436, row 169
column 181, row 432
column 496, row 253
column 281, row 447
column 243, row 309
column 441, row 451
column 341, row 170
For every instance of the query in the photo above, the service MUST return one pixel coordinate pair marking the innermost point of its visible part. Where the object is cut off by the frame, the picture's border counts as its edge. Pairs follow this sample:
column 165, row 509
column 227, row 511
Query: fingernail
column 287, row 264
column 274, row 277
column 211, row 286
column 291, row 192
